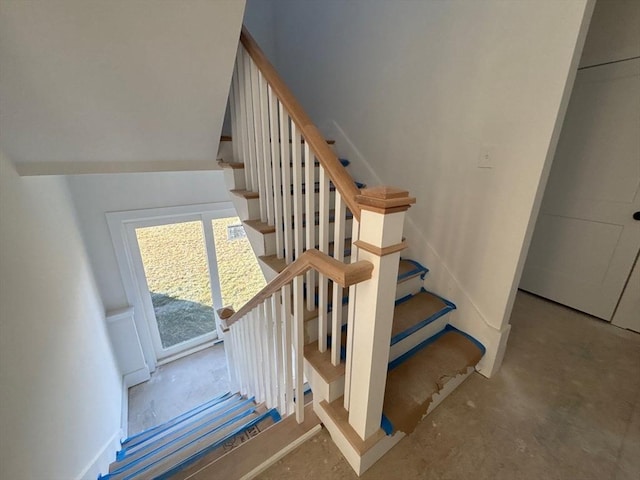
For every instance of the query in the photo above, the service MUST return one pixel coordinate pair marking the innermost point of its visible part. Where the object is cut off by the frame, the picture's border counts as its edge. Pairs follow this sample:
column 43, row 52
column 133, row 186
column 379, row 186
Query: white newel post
column 380, row 242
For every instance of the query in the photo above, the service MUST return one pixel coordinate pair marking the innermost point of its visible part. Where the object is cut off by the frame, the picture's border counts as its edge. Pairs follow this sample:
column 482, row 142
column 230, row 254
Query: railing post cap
column 385, row 199
column 225, row 312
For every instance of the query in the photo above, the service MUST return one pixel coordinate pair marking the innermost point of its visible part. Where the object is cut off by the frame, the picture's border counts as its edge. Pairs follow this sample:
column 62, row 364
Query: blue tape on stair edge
column 473, row 340
column 448, row 328
column 273, row 413
column 204, row 406
column 386, row 425
column 152, row 464
column 419, row 269
column 189, row 427
column 223, row 403
column 414, row 328
column 149, row 454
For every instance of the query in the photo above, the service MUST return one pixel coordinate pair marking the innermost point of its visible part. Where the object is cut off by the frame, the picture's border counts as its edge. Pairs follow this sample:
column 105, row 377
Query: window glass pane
column 175, row 264
column 238, row 269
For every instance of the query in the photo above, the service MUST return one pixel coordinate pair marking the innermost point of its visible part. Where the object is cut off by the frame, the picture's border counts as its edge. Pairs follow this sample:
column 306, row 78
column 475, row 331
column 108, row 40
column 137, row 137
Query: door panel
column 586, row 240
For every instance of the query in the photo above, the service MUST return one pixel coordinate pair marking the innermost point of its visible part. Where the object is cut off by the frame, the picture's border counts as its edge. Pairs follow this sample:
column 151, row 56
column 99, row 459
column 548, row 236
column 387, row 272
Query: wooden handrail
column 346, row 274
column 329, row 161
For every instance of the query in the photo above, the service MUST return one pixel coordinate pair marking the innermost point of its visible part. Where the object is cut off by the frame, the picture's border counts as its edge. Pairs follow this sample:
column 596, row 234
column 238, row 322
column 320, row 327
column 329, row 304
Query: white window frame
column 122, row 227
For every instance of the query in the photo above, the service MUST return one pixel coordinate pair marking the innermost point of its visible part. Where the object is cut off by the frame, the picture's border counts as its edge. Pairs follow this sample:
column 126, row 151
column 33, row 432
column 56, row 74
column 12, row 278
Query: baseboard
column 124, row 410
column 138, row 376
column 100, row 463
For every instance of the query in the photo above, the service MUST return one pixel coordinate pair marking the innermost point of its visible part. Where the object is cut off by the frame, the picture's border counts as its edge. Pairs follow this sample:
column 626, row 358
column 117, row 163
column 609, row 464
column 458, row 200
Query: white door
column 628, row 312
column 586, row 239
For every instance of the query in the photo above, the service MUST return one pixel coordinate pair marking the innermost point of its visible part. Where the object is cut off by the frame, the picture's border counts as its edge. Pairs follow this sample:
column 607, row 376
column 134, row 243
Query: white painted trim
column 117, row 223
column 137, row 376
column 124, row 412
column 26, row 169
column 282, row 453
column 100, row 463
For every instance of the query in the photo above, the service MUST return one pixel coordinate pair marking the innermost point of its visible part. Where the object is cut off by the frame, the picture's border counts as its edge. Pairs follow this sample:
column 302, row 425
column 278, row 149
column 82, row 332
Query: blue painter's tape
column 273, row 413
column 414, row 328
column 386, row 425
column 168, row 424
column 133, row 474
column 344, row 162
column 419, row 269
column 406, row 356
column 448, row 328
column 469, row 337
column 157, row 444
column 404, row 299
column 219, row 406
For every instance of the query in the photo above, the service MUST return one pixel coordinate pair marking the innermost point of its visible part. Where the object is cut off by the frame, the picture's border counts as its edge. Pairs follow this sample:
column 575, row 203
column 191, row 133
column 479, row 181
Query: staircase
column 341, row 306
column 201, row 435
column 342, row 309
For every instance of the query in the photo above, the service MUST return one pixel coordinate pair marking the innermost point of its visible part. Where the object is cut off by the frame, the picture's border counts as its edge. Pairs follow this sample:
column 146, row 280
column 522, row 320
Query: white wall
column 106, row 86
column 61, row 389
column 411, row 91
column 94, row 195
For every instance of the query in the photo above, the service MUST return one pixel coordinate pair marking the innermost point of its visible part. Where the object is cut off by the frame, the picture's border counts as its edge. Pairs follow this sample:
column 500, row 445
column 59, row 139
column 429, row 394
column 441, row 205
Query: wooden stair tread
column 414, row 310
column 248, row 194
column 321, row 361
column 232, row 165
column 256, row 451
column 260, row 226
column 408, row 269
column 279, row 264
column 412, row 384
column 229, row 138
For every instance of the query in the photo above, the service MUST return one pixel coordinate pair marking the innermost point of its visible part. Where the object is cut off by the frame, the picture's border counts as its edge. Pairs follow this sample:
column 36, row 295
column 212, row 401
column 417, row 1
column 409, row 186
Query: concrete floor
column 565, row 405
column 177, row 387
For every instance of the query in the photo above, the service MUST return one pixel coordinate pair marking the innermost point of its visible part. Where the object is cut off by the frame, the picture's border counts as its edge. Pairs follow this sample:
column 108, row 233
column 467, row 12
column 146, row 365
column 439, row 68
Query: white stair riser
column 225, row 151
column 323, row 390
column 270, row 273
column 406, row 344
column 247, row 208
column 198, row 445
column 311, row 326
column 360, row 463
column 410, row 286
column 234, row 178
column 268, row 245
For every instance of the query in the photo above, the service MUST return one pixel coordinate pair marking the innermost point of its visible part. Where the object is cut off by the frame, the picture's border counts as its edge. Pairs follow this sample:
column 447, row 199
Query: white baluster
column 336, row 303
column 298, row 307
column 274, row 107
column 323, row 287
column 251, row 134
column 256, row 101
column 296, row 160
column 272, row 399
column 233, row 103
column 355, row 232
column 266, row 150
column 277, row 312
column 242, row 118
column 285, row 162
column 286, row 315
column 309, row 179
